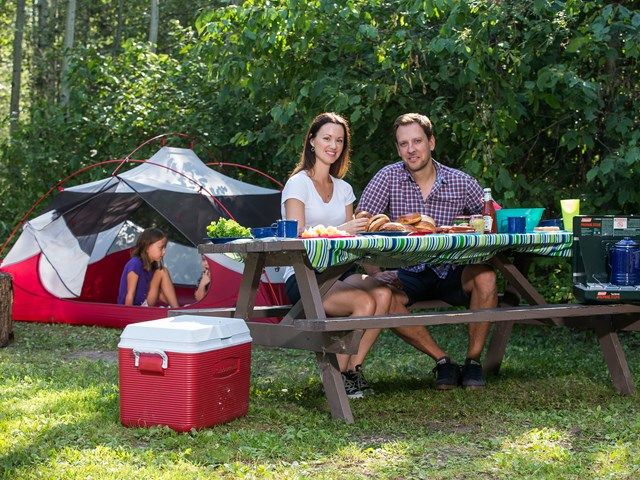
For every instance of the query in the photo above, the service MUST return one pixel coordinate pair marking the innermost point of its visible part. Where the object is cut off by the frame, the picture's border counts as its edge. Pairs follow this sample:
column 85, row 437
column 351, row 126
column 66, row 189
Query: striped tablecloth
column 434, row 249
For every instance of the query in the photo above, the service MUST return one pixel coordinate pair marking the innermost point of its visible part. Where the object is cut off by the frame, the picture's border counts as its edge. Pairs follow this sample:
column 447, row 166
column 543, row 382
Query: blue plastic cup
column 516, row 224
column 263, row 232
column 286, row 228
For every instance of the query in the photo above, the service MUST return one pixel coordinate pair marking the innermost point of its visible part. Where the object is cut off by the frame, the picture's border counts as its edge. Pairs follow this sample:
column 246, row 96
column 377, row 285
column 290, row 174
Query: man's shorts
column 293, row 292
column 426, row 285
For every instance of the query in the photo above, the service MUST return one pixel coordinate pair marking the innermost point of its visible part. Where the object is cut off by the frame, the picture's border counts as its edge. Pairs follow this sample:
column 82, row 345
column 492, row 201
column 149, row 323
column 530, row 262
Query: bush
column 538, row 100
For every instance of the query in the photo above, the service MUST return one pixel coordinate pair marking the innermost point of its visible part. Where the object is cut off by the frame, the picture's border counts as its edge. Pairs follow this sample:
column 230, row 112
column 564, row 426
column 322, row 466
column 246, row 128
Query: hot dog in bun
column 461, row 229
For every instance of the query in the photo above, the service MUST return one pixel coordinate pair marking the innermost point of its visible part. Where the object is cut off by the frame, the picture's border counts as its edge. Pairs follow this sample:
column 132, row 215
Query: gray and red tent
column 66, row 264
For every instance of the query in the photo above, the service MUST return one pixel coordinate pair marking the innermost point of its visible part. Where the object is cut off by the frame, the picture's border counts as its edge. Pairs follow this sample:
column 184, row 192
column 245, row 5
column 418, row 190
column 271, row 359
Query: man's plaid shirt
column 393, row 191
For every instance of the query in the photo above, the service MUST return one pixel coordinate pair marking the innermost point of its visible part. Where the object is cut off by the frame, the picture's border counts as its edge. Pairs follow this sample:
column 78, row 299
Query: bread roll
column 409, row 218
column 392, row 227
column 423, row 226
column 362, row 214
column 377, row 221
column 427, row 218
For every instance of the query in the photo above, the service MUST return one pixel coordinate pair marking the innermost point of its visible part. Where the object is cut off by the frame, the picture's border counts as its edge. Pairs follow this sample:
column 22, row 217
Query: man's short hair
column 409, row 118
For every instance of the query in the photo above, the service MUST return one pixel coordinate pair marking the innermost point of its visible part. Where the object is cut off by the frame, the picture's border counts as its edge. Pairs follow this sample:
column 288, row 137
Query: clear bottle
column 489, row 213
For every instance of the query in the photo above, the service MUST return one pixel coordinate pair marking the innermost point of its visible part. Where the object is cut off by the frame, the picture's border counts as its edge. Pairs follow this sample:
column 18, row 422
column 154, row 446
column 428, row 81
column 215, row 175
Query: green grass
column 552, row 413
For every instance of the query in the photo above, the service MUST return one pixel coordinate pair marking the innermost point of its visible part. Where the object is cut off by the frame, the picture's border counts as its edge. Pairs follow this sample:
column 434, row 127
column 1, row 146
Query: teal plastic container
column 533, row 216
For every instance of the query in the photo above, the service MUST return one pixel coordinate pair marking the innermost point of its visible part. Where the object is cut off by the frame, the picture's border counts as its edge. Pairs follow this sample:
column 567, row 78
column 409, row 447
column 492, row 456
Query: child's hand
column 203, row 286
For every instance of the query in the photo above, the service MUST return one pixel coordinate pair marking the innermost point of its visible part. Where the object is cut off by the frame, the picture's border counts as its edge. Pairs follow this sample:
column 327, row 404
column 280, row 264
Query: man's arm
column 475, row 196
column 375, row 199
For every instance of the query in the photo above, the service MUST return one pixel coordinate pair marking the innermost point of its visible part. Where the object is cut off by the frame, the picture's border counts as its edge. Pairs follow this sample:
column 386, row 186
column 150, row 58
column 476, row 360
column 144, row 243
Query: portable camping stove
column 593, row 238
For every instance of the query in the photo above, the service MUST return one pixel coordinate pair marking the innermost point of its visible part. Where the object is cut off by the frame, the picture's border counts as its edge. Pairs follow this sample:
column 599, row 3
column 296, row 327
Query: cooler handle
column 161, row 353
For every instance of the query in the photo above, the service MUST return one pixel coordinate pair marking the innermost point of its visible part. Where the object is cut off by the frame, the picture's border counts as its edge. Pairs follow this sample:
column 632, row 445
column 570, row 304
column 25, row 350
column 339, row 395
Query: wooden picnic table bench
column 306, row 326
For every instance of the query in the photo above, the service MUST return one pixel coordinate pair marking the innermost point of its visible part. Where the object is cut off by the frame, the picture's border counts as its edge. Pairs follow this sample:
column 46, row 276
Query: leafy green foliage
column 227, row 228
column 552, row 278
column 538, row 100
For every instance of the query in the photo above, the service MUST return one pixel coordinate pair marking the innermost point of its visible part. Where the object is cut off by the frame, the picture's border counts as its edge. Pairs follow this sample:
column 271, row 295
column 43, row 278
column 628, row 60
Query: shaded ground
column 551, row 413
column 108, row 356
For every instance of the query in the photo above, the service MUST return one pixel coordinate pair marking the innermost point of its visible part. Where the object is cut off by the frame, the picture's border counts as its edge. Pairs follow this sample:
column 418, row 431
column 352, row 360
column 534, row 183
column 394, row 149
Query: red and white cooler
column 185, row 372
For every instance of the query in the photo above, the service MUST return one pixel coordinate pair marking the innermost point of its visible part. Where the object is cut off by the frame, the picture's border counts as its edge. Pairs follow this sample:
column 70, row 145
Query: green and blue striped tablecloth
column 435, row 249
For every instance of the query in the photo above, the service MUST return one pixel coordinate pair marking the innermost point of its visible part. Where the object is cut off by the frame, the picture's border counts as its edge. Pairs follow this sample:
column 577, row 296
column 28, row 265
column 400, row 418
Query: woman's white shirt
column 316, row 211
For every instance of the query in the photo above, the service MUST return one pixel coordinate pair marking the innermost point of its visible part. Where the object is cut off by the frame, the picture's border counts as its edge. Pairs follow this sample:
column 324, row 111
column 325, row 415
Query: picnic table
column 306, row 326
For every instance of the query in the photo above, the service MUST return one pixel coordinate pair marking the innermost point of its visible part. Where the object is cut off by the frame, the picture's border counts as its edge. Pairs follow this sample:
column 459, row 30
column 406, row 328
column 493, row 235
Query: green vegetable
column 227, row 228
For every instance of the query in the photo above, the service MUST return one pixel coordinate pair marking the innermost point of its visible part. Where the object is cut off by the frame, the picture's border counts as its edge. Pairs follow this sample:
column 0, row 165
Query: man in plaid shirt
column 420, row 184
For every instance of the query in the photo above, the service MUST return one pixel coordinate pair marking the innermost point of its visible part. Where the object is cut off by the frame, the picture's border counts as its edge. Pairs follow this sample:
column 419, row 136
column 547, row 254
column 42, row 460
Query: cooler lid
column 186, row 333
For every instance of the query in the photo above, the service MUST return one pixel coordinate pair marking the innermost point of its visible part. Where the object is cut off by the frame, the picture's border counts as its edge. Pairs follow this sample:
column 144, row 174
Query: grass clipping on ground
column 552, row 413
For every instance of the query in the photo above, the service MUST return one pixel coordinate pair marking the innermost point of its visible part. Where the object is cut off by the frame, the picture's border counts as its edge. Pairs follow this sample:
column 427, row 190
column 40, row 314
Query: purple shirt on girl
column 144, row 279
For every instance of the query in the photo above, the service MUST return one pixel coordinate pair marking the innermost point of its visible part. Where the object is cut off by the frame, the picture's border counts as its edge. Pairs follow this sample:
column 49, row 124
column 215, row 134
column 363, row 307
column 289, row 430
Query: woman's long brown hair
column 308, row 157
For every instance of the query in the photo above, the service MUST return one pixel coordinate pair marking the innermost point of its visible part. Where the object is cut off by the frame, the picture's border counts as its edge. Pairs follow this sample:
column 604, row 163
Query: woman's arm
column 294, row 210
column 349, row 212
column 353, row 225
column 132, row 283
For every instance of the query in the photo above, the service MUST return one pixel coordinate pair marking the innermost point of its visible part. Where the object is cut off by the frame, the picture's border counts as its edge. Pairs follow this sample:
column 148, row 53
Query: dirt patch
column 108, row 356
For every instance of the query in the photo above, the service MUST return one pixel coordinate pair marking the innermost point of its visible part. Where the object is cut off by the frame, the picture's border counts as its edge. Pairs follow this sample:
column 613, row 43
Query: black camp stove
column 593, row 237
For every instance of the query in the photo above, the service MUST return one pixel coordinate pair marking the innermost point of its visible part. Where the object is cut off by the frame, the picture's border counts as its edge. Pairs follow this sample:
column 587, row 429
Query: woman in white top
column 316, row 194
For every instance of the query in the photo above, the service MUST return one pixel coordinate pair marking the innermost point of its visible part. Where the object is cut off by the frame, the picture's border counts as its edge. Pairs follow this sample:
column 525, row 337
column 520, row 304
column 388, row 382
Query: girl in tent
column 316, row 194
column 145, row 280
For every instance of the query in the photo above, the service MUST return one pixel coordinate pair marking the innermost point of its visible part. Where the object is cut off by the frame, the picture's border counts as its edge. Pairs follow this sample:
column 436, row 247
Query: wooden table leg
column 502, row 331
column 517, row 280
column 327, row 362
column 497, row 347
column 334, row 387
column 325, row 282
column 614, row 356
column 309, row 291
column 249, row 286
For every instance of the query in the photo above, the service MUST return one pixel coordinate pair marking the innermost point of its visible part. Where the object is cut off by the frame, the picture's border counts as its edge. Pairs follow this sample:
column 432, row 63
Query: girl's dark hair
column 308, row 158
column 146, row 238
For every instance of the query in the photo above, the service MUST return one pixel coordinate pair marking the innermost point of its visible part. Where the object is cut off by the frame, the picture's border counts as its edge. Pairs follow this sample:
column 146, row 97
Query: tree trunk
column 153, row 26
column 69, row 33
column 54, row 57
column 84, row 25
column 16, row 76
column 6, row 301
column 40, row 72
column 117, row 38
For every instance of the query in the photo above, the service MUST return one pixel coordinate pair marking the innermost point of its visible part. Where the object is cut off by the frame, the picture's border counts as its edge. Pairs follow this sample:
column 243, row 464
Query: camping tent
column 66, row 264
